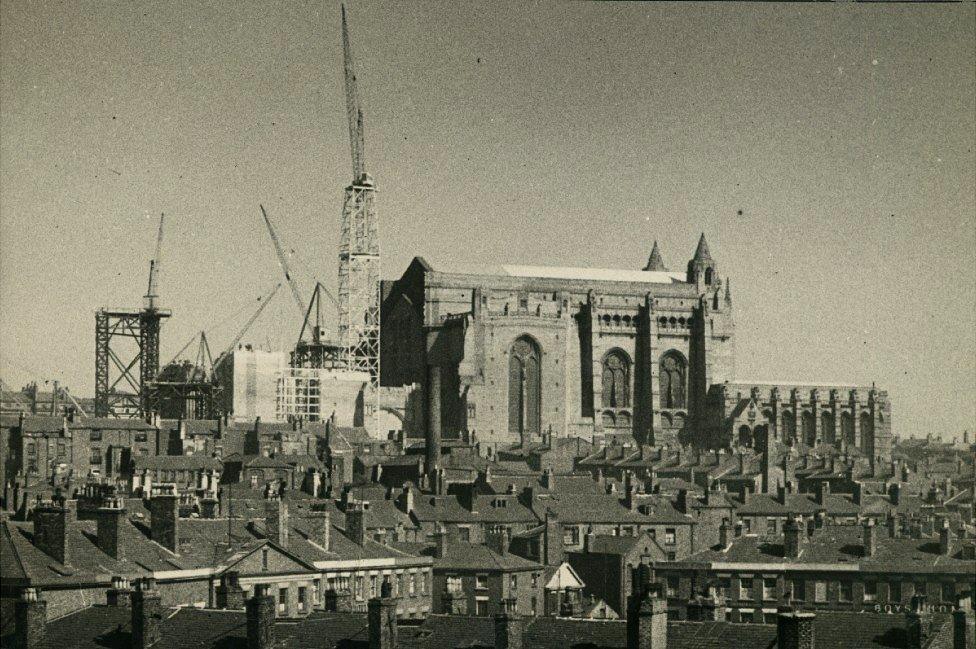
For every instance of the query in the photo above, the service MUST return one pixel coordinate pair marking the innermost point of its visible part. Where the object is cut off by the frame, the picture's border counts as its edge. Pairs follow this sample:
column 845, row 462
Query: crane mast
column 359, row 251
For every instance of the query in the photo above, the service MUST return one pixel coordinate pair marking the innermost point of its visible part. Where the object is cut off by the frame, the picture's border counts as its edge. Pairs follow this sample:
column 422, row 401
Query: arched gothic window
column 847, row 427
column 616, row 380
column 524, row 386
column 789, row 427
column 867, row 433
column 672, row 377
column 827, row 427
column 809, row 429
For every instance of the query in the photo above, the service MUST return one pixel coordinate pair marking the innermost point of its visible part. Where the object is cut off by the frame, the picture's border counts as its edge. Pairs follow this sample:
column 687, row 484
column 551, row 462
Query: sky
column 826, row 151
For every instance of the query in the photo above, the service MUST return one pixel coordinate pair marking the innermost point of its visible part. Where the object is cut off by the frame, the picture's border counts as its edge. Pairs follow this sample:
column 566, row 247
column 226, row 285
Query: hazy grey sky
column 569, row 134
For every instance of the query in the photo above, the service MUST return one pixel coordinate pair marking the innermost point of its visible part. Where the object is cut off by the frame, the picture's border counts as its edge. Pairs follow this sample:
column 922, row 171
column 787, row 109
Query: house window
column 264, row 558
column 672, row 588
column 61, row 449
column 513, row 582
column 535, row 580
column 820, row 592
column 747, row 525
column 948, row 592
column 360, row 587
column 769, row 588
column 870, row 591
column 669, row 536
column 571, row 535
column 282, row 600
column 96, row 456
column 141, row 437
column 481, row 582
column 796, row 590
column 724, row 586
column 671, row 556
column 770, row 526
column 31, row 449
column 846, row 591
column 894, row 592
column 453, row 584
column 373, row 583
column 399, row 584
column 302, row 597
column 472, row 411
column 254, row 481
column 481, row 606
column 745, row 588
column 464, row 533
column 96, row 436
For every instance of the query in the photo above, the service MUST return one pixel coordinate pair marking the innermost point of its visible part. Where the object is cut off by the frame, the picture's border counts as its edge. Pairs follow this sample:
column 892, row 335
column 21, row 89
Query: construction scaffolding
column 316, row 394
column 123, row 371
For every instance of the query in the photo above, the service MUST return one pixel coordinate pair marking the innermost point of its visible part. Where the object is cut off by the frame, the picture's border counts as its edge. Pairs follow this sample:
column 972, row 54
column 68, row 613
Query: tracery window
column 672, row 377
column 524, row 383
column 616, row 380
column 847, row 427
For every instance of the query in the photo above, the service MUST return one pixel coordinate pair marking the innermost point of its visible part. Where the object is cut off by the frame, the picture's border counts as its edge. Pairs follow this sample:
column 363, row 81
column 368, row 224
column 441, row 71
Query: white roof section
column 564, row 577
column 564, row 272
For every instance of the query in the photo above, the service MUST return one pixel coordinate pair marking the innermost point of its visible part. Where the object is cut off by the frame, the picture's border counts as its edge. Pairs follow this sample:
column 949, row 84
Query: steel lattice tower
column 359, row 280
column 359, row 254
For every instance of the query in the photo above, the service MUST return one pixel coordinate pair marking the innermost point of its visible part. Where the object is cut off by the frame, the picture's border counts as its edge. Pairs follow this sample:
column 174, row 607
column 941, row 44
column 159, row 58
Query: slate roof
column 842, row 545
column 42, row 424
column 806, row 504
column 606, row 508
column 441, row 508
column 103, row 627
column 461, row 555
column 176, row 462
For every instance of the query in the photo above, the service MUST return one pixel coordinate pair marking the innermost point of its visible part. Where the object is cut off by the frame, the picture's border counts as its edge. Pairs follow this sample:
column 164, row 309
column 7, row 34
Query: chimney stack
column 147, row 614
column 356, row 522
column 382, row 619
column 260, row 619
column 823, row 492
column 791, row 537
column 120, row 594
column 918, row 622
column 794, row 630
column 870, row 540
column 945, row 539
column 164, row 520
column 553, row 538
column 894, row 491
column 858, row 495
column 109, row 519
column 320, row 524
column 962, row 629
column 647, row 615
column 724, row 533
column 51, row 531
column 502, row 540
column 30, row 619
column 508, row 627
column 276, row 520
column 230, row 594
column 549, row 479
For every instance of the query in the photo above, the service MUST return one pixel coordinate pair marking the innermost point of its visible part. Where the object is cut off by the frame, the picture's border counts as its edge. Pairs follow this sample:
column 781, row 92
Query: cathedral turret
column 655, row 262
column 702, row 268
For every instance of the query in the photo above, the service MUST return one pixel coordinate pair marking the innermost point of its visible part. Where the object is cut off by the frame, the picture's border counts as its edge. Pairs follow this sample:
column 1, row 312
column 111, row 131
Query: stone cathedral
column 511, row 353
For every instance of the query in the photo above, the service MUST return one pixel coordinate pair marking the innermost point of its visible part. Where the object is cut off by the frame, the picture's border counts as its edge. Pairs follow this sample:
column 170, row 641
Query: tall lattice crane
column 359, row 248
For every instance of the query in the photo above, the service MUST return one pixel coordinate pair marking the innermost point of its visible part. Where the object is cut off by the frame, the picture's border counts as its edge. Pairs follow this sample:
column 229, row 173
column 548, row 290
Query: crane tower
column 359, row 248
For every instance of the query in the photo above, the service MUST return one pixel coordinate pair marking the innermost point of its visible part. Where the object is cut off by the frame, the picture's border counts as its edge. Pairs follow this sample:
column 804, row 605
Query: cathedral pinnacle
column 655, row 262
column 701, row 252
